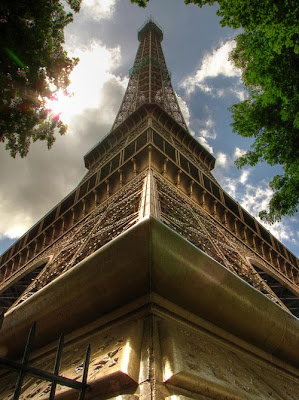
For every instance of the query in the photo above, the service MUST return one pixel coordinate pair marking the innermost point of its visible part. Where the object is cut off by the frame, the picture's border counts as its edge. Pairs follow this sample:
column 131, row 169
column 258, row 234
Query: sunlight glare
column 87, row 79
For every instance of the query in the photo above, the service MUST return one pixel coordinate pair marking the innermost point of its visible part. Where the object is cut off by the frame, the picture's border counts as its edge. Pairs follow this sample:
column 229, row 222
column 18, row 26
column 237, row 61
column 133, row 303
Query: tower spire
column 149, row 78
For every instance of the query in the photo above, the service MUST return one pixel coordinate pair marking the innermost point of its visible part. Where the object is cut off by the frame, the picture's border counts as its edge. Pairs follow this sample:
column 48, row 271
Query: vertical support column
column 284, row 267
column 28, row 252
column 150, row 69
column 149, row 204
column 149, row 156
column 134, row 166
column 35, row 247
column 53, row 232
column 73, row 215
column 95, row 193
column 203, row 198
column 62, row 224
column 215, row 208
column 45, row 236
column 191, row 189
column 270, row 256
column 246, row 235
column 13, row 264
column 178, row 178
column 263, row 249
column 120, row 178
column 165, row 167
column 107, row 188
column 83, row 207
column 254, row 242
column 225, row 218
column 235, row 225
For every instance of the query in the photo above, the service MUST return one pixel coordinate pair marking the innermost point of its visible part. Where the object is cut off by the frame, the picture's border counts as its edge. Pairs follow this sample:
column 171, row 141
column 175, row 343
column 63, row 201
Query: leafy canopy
column 267, row 54
column 33, row 66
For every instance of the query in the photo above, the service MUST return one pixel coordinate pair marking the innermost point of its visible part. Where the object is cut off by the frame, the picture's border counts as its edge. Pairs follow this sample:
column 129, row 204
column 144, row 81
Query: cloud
column 256, row 198
column 184, row 109
column 203, row 128
column 238, row 152
column 206, row 126
column 98, row 10
column 229, row 185
column 216, row 75
column 212, row 65
column 239, row 93
column 207, row 130
column 205, row 143
column 208, row 133
column 221, row 170
column 283, row 232
column 253, row 195
column 209, row 122
column 39, row 181
column 232, row 90
column 86, row 87
column 44, row 177
column 222, row 159
column 244, row 176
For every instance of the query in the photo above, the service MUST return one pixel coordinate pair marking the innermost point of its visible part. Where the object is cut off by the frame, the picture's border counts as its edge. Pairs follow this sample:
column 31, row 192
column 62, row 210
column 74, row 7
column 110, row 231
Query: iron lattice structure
column 149, row 78
column 149, row 164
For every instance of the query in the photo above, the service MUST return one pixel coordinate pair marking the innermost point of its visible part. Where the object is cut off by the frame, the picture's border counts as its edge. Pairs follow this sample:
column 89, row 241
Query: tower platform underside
column 162, row 324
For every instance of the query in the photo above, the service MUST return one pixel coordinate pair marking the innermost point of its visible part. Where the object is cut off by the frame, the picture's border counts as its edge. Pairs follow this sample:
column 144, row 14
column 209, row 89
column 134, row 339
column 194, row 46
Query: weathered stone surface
column 114, row 364
column 196, row 361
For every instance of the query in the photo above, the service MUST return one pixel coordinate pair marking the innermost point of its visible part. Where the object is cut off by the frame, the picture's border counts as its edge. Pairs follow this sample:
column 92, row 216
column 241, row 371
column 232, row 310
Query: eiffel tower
column 181, row 293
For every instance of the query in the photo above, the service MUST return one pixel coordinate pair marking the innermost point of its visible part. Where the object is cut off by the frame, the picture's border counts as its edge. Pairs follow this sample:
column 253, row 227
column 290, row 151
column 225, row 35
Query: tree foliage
column 33, row 66
column 267, row 54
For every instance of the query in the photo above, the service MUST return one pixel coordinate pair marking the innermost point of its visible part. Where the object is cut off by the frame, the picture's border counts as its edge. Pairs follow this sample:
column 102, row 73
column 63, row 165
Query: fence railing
column 24, row 368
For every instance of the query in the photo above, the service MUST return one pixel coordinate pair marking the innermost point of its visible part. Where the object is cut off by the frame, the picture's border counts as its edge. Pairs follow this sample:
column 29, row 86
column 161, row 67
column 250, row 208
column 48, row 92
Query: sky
column 104, row 37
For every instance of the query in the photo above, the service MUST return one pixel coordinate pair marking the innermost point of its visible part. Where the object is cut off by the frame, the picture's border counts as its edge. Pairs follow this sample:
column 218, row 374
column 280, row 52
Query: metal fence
column 24, row 368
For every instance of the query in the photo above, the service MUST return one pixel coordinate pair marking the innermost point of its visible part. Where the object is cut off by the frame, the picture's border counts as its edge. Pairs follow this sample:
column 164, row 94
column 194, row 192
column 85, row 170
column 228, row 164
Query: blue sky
column 104, row 36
